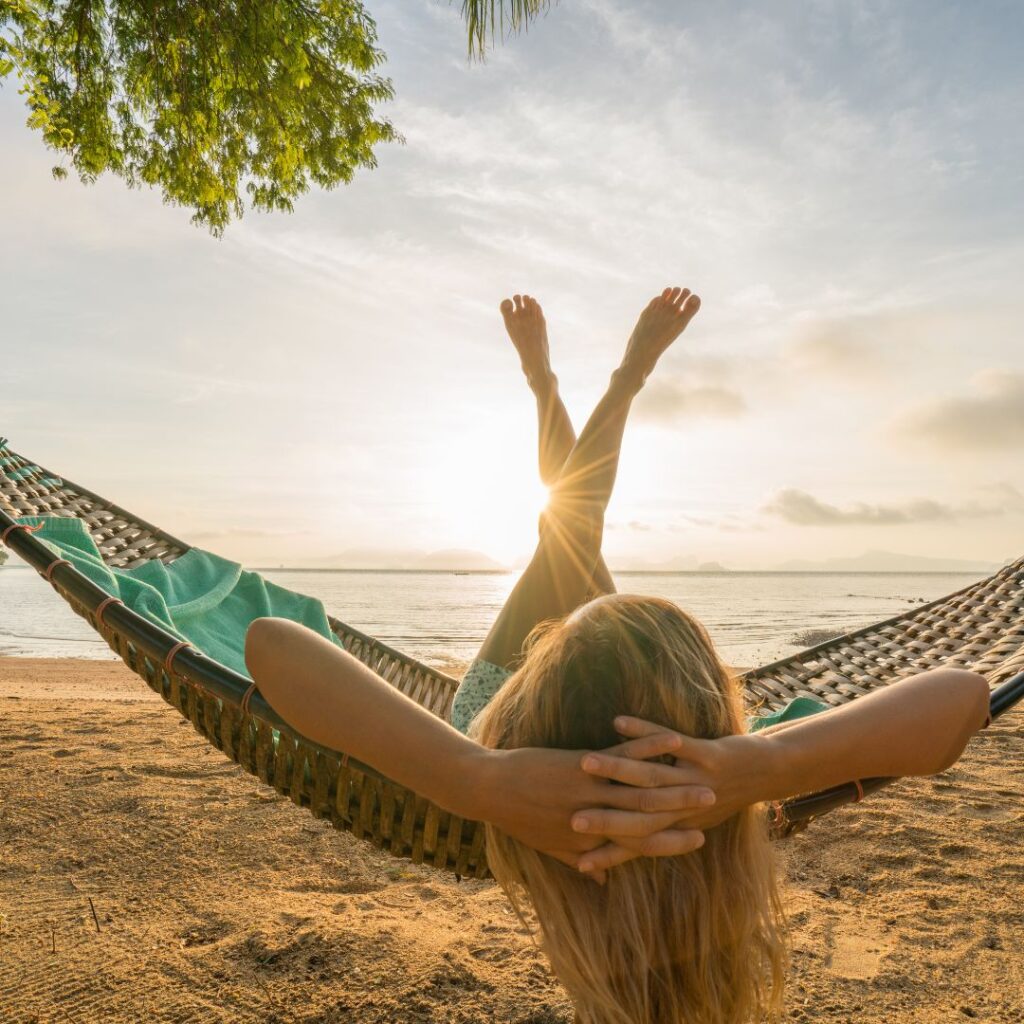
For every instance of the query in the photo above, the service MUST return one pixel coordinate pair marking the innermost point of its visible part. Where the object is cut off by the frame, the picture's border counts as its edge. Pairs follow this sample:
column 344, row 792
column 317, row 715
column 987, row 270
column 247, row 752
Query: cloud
column 727, row 523
column 990, row 418
column 664, row 401
column 757, row 296
column 646, row 40
column 845, row 343
column 244, row 533
column 835, row 347
column 634, row 525
column 687, row 522
column 455, row 141
column 803, row 509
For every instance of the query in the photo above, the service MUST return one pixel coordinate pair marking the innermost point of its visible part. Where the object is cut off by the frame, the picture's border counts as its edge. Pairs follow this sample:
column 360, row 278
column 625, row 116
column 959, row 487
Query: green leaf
column 208, row 101
column 488, row 19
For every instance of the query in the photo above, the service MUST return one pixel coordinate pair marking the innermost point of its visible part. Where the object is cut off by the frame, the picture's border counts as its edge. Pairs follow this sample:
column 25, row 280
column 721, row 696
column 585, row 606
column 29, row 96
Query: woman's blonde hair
column 696, row 939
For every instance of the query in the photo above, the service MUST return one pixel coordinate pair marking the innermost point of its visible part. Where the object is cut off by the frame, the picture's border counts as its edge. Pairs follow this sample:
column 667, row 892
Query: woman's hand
column 533, row 794
column 734, row 768
column 916, row 726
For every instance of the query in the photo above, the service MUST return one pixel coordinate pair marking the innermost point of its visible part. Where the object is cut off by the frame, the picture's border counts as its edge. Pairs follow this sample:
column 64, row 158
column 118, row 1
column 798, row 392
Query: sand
column 145, row 878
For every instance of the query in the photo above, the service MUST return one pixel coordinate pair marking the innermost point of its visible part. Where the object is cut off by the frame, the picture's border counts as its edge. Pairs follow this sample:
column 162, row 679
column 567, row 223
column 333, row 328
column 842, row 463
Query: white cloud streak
column 989, row 419
column 799, row 508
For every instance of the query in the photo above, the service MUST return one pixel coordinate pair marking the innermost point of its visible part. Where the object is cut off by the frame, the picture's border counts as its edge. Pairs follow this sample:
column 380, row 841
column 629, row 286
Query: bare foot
column 664, row 319
column 524, row 321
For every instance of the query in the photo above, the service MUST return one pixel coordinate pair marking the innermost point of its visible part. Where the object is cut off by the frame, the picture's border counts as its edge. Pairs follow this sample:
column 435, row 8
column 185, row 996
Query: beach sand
column 145, row 878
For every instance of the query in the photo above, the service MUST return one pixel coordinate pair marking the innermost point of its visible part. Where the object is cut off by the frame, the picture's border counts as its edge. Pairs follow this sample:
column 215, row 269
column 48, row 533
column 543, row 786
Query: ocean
column 441, row 617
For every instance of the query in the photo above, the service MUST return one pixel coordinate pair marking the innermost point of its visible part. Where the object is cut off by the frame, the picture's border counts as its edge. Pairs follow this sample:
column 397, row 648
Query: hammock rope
column 980, row 627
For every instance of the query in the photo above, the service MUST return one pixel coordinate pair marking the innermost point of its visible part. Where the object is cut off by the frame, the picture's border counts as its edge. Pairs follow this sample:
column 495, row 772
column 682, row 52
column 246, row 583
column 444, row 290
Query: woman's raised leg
column 526, row 326
column 560, row 574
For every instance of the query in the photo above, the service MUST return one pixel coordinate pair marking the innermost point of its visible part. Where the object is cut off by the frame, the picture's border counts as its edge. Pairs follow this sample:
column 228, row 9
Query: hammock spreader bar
column 980, row 626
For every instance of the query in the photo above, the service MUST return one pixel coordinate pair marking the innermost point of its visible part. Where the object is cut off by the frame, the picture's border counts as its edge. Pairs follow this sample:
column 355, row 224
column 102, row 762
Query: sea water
column 441, row 617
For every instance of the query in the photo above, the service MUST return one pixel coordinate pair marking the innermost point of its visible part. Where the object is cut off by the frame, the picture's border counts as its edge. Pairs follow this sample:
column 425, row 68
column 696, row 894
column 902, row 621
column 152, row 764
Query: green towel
column 200, row 597
column 798, row 707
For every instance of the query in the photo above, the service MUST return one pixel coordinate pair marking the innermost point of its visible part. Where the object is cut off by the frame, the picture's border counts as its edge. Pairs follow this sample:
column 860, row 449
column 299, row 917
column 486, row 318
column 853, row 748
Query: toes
column 680, row 300
column 518, row 299
column 667, row 294
column 690, row 307
column 674, row 296
column 506, row 307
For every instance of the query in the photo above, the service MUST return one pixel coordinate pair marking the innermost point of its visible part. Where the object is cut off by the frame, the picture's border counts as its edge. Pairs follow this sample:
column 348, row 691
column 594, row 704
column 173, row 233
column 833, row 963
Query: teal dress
column 483, row 680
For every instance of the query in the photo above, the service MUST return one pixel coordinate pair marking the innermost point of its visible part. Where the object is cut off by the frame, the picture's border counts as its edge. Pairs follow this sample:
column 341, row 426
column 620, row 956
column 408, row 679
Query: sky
column 841, row 182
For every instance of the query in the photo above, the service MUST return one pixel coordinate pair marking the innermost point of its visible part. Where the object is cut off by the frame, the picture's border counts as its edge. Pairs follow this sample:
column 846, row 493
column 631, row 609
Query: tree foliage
column 208, row 101
column 486, row 19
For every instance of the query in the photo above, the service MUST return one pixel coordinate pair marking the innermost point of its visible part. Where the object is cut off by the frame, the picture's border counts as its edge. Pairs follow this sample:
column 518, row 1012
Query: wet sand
column 145, row 878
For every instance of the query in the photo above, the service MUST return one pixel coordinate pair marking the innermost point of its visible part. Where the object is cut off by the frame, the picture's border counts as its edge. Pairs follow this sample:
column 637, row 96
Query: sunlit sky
column 843, row 184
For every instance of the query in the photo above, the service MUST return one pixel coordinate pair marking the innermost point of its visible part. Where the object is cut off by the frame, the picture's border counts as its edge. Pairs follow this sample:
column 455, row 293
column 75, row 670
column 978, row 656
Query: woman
column 666, row 939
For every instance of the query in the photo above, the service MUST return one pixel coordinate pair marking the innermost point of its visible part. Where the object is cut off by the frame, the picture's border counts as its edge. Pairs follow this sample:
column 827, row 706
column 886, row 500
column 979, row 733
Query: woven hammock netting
column 980, row 628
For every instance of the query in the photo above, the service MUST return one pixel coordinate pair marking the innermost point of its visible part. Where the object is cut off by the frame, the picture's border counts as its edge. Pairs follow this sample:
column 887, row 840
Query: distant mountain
column 466, row 560
column 680, row 563
column 362, row 558
column 388, row 558
column 887, row 561
column 458, row 558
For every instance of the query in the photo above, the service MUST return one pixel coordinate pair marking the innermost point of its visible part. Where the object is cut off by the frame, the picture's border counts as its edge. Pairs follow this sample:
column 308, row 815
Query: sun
column 488, row 495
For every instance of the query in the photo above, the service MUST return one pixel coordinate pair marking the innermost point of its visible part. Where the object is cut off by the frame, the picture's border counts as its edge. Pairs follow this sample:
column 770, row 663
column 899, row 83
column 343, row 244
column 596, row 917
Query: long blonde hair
column 696, row 939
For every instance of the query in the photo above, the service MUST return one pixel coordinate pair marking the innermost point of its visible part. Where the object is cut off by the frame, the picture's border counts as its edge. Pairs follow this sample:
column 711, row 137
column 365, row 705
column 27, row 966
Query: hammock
column 980, row 627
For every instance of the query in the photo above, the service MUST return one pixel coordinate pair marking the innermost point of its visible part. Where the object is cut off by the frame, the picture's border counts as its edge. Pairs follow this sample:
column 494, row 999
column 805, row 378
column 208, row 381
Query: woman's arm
column 918, row 726
column 335, row 700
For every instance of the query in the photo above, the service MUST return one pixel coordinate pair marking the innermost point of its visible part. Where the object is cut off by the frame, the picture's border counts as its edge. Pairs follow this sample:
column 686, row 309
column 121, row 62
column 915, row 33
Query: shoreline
column 218, row 901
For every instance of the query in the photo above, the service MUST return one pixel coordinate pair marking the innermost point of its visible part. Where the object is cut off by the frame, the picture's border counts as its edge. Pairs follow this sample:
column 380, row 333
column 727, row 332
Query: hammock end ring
column 48, row 571
column 103, row 606
column 19, row 526
column 172, row 654
column 246, row 697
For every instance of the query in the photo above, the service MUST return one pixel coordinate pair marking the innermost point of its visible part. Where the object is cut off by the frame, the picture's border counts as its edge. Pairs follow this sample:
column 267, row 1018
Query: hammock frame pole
column 800, row 811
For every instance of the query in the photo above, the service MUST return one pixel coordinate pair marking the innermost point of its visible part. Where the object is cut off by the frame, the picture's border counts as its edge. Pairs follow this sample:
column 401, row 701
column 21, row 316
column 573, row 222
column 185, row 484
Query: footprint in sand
column 983, row 810
column 856, row 950
column 491, row 954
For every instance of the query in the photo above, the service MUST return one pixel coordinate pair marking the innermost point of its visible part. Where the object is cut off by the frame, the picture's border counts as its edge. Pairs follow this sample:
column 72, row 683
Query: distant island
column 467, row 560
column 888, row 561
